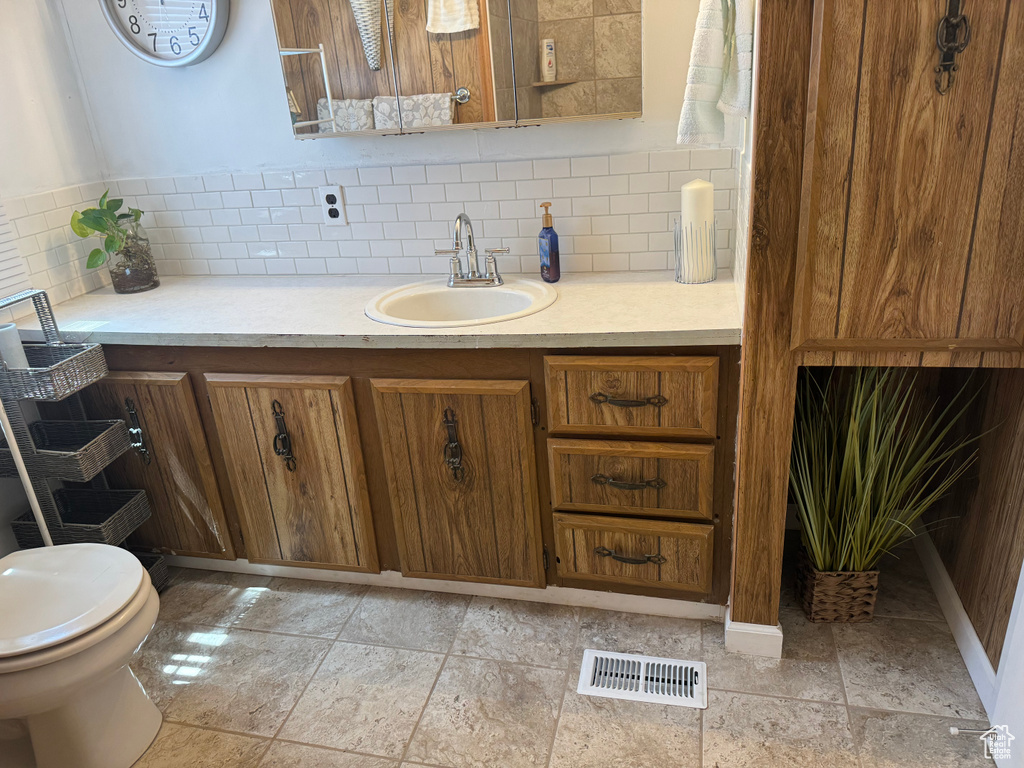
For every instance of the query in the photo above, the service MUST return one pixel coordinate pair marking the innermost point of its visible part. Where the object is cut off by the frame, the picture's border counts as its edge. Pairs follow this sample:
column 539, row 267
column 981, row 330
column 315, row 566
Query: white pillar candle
column 698, row 204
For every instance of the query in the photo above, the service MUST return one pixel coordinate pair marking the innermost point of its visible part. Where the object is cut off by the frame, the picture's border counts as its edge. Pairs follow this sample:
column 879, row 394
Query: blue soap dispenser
column 547, row 241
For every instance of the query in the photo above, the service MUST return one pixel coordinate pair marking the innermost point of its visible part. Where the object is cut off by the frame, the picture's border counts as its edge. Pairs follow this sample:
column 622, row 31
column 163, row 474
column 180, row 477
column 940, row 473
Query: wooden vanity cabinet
column 292, row 451
column 171, row 461
column 459, row 458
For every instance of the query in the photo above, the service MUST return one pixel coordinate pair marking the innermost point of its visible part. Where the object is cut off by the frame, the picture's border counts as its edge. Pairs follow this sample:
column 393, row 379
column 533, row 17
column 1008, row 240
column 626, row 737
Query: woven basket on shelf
column 87, row 515
column 836, row 596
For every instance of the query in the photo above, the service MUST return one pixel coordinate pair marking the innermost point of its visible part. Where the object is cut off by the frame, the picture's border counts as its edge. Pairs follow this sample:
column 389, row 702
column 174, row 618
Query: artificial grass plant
column 869, row 459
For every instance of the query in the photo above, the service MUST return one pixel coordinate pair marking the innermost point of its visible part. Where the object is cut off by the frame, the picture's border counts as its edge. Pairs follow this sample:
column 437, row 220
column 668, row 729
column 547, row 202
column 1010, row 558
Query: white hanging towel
column 740, row 50
column 700, row 121
column 444, row 16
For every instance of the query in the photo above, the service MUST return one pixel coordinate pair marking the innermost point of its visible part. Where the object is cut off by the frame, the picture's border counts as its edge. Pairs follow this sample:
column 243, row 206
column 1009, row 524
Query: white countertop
column 592, row 310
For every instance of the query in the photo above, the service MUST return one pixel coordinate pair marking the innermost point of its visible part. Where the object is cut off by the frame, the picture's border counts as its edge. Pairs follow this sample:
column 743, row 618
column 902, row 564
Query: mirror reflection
column 407, row 66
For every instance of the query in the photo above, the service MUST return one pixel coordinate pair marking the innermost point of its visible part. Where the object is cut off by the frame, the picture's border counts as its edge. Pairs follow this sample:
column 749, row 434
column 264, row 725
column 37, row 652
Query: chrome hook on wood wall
column 951, row 38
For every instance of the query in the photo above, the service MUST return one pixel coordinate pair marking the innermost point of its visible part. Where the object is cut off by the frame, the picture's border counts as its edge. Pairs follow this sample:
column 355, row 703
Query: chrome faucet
column 472, row 277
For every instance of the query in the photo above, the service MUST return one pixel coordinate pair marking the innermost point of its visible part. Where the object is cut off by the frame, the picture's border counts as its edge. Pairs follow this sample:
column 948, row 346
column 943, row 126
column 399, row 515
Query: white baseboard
column 753, row 639
column 978, row 665
column 584, row 598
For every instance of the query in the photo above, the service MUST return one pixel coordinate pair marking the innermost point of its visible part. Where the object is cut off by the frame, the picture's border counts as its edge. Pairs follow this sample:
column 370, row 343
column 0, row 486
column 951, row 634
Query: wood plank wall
column 427, row 63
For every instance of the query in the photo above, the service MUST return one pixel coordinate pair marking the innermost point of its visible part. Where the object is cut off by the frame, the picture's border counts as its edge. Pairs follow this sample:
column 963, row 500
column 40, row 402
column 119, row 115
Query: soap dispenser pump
column 547, row 241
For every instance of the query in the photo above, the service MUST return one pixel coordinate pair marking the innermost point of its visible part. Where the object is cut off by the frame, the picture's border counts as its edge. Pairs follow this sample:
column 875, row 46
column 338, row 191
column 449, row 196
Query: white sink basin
column 434, row 305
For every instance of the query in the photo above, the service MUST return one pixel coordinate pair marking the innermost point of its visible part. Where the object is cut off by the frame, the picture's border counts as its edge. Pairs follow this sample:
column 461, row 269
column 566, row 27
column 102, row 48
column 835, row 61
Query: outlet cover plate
column 332, row 203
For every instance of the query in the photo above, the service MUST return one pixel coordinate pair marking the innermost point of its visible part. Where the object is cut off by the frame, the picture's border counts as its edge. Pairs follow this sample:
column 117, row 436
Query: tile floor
column 276, row 673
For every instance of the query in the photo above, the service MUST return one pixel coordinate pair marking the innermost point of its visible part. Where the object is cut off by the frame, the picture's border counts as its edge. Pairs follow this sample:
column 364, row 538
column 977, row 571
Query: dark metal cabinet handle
column 951, row 38
column 642, row 560
column 601, row 399
column 282, row 442
column 135, row 431
column 452, row 448
column 624, row 485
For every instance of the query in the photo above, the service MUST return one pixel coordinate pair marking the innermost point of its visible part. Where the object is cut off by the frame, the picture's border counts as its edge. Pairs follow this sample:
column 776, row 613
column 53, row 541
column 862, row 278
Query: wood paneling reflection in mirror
column 598, row 50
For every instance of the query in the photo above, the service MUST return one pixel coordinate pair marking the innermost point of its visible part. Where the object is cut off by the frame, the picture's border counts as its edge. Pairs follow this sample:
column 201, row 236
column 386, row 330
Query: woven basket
column 69, row 450
column 159, row 574
column 102, row 517
column 836, row 596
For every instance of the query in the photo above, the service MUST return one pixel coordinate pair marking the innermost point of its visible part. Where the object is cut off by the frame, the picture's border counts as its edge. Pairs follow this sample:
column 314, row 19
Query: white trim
column 585, row 598
column 978, row 665
column 1009, row 707
column 753, row 639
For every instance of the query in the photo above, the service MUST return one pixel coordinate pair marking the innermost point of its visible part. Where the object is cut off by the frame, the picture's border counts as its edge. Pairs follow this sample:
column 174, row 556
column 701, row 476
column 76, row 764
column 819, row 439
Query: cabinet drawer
column 656, row 553
column 632, row 396
column 659, row 479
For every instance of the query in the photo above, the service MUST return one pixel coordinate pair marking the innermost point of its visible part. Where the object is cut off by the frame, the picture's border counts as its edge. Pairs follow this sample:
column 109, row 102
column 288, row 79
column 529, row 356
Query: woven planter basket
column 836, row 596
column 369, row 21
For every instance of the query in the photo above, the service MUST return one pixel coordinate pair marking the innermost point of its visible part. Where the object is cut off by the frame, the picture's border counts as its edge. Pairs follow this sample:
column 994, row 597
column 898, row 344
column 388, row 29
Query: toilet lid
column 52, row 594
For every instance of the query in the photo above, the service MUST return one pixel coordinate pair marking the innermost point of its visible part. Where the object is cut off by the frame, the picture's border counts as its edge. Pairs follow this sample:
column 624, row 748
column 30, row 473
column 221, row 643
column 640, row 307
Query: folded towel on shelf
column 421, row 110
column 739, row 61
column 700, row 120
column 445, row 16
column 349, row 115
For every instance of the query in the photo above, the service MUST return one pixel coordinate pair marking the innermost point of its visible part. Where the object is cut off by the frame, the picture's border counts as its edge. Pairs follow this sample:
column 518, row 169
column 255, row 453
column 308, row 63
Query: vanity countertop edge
column 592, row 310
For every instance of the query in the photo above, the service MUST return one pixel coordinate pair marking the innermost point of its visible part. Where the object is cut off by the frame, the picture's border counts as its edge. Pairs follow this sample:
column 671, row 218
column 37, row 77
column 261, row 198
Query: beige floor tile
column 286, row 755
column 210, row 597
column 489, row 713
column 301, row 607
column 250, row 682
column 900, row 740
column 746, row 731
column 181, row 746
column 364, row 698
column 512, row 630
column 608, row 733
column 426, row 621
column 904, row 665
column 808, row 669
column 904, row 591
column 638, row 633
column 172, row 656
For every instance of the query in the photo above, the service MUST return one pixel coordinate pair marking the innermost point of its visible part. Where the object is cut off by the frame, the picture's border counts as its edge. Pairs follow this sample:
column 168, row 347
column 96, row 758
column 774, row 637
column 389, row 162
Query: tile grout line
column 433, row 686
column 565, row 692
column 313, row 676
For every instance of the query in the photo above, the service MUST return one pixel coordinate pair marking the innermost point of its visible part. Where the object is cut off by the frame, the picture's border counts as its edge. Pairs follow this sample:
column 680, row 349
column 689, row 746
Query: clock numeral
column 153, row 35
column 175, row 46
column 122, row 3
column 134, row 23
column 202, row 13
column 193, row 37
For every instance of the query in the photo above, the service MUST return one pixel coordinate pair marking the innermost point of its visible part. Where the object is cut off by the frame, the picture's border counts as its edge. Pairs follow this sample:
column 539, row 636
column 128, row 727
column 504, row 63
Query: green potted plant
column 870, row 457
column 125, row 248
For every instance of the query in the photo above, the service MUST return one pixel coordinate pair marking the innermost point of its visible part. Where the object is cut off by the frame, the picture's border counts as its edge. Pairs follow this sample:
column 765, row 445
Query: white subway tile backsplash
column 611, row 212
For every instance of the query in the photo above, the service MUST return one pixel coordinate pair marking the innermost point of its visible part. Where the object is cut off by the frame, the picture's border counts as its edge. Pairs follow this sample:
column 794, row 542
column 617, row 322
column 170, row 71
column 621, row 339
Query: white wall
column 229, row 112
column 45, row 140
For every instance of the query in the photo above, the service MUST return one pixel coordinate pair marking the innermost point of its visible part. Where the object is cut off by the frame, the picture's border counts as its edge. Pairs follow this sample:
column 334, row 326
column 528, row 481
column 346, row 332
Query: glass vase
column 132, row 269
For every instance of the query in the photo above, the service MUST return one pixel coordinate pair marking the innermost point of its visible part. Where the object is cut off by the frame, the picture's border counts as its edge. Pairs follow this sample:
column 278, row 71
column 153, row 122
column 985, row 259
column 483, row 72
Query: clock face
column 168, row 32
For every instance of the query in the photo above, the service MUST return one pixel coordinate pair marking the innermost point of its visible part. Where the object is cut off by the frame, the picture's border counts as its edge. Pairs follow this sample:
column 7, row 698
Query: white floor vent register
column 644, row 678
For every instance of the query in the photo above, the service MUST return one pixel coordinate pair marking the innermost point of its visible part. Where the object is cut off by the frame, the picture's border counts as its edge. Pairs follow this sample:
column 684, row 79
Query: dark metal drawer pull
column 624, row 485
column 643, row 560
column 282, row 442
column 452, row 448
column 951, row 38
column 601, row 399
column 135, row 431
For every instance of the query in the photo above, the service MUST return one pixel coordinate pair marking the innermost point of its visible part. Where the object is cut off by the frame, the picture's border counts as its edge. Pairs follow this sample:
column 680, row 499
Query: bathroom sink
column 433, row 304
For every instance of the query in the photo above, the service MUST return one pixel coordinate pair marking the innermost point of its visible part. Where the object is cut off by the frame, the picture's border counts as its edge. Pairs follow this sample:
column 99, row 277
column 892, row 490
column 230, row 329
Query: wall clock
column 168, row 33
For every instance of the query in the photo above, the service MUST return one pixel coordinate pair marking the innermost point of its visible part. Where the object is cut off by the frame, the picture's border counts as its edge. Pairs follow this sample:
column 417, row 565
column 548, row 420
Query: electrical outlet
column 333, row 205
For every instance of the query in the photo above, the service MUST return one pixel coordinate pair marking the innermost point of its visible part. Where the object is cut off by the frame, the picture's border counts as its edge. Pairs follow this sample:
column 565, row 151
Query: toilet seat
column 52, row 595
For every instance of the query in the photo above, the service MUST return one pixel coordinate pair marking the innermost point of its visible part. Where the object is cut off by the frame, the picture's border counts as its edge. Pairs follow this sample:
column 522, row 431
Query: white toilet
column 71, row 618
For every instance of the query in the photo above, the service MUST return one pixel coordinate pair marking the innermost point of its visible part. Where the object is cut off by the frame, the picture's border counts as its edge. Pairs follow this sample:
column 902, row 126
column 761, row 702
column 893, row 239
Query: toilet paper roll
column 13, row 354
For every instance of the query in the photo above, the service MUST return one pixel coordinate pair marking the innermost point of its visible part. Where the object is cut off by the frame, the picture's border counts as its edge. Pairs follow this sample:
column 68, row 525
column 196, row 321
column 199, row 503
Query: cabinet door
column 911, row 219
column 463, row 494
column 174, row 469
column 291, row 445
